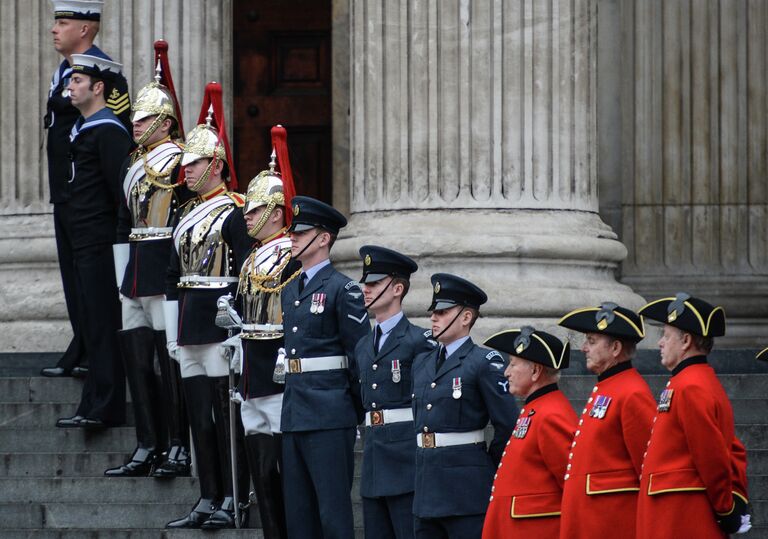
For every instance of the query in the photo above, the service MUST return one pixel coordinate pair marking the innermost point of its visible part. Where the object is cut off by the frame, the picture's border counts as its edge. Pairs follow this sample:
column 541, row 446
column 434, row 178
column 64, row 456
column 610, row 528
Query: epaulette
column 493, row 354
column 237, row 198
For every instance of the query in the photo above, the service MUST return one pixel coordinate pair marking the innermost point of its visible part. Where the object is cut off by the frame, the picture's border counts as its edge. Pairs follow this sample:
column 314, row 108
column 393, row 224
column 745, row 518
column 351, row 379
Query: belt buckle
column 428, row 440
column 294, row 365
column 377, row 418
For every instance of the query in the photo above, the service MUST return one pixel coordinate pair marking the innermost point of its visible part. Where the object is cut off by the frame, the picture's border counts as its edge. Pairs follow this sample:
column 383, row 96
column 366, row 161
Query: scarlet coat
column 601, row 483
column 694, row 462
column 528, row 486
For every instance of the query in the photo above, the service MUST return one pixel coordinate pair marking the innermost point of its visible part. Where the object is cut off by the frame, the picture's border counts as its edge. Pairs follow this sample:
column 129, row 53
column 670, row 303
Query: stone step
column 107, row 516
column 51, row 439
column 40, row 389
column 41, row 414
column 754, row 435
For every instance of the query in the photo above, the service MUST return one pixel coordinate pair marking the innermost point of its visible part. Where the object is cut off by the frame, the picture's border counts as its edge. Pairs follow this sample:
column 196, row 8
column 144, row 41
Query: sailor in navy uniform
column 75, row 27
column 324, row 318
column 456, row 389
column 210, row 242
column 99, row 145
column 385, row 359
column 151, row 197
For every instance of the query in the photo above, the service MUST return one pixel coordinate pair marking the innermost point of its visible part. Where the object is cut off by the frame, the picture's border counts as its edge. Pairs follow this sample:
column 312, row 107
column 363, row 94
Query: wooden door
column 282, row 75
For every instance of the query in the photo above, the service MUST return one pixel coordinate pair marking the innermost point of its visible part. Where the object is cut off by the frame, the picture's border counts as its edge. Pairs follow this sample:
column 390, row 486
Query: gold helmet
column 266, row 189
column 204, row 142
column 154, row 99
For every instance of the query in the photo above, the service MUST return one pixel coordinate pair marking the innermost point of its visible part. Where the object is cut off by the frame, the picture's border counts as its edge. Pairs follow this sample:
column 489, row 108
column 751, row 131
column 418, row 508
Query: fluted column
column 695, row 197
column 33, row 317
column 473, row 148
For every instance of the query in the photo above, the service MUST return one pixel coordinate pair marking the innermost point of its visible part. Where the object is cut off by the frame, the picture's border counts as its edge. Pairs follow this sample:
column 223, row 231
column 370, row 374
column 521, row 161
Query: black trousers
column 103, row 394
column 75, row 353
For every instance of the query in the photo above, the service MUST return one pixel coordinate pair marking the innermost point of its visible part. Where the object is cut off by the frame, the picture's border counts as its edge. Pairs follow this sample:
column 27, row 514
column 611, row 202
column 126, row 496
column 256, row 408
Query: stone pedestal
column 33, row 318
column 473, row 149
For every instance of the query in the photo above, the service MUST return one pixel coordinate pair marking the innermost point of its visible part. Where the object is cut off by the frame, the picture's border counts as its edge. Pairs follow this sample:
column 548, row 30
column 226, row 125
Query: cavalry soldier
column 75, row 27
column 385, row 360
column 149, row 204
column 528, row 488
column 457, row 387
column 209, row 243
column 601, row 481
column 99, row 145
column 694, row 480
column 324, row 318
column 266, row 271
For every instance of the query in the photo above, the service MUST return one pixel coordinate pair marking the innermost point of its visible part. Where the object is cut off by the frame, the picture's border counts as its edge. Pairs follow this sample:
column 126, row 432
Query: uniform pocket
column 682, row 480
column 613, row 481
column 536, row 505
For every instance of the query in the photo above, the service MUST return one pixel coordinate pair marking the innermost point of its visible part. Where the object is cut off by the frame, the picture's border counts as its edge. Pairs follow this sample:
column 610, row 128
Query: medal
column 665, row 400
column 320, row 303
column 313, row 306
column 456, row 388
column 600, row 406
column 396, row 370
column 521, row 427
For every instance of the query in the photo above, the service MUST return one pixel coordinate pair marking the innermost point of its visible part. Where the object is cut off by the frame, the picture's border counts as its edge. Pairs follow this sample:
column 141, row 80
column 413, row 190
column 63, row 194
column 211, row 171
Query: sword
column 227, row 318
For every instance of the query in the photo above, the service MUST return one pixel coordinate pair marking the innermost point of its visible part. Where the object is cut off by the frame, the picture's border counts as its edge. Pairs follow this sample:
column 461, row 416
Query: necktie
column 302, row 282
column 376, row 339
column 440, row 357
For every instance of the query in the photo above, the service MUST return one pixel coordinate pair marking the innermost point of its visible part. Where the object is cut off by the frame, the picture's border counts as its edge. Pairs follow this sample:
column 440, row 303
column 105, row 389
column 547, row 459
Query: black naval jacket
column 457, row 480
column 99, row 145
column 389, row 450
column 323, row 400
column 197, row 306
column 146, row 271
column 61, row 115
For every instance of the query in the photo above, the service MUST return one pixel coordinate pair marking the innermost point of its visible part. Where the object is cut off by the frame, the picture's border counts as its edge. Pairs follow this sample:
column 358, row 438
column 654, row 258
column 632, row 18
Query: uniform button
column 654, row 419
column 581, row 421
column 568, row 467
column 507, row 443
column 522, row 411
column 374, row 386
column 429, row 406
column 503, row 453
column 432, row 385
column 493, row 489
column 499, row 466
column 589, row 400
column 294, row 329
column 426, row 429
column 594, row 389
column 668, row 383
column 567, row 476
column 578, row 432
column 413, row 395
column 648, row 444
column 644, row 454
column 495, row 475
column 573, row 444
column 293, row 351
column 375, row 366
column 490, row 499
column 296, row 303
column 570, row 456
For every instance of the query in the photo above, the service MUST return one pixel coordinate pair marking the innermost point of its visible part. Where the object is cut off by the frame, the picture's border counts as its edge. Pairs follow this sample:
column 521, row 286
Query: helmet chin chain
column 252, row 232
column 151, row 129
column 203, row 179
column 435, row 337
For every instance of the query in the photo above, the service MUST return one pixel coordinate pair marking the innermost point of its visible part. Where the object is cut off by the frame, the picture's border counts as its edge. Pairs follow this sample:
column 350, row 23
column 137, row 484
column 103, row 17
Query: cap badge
column 368, row 260
column 671, row 317
column 602, row 324
column 295, row 209
column 437, row 287
column 520, row 348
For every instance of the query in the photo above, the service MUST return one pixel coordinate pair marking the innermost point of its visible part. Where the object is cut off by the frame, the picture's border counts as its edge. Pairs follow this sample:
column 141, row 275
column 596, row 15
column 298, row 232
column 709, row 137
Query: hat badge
column 602, row 324
column 672, row 316
column 437, row 287
column 368, row 260
column 295, row 209
column 520, row 348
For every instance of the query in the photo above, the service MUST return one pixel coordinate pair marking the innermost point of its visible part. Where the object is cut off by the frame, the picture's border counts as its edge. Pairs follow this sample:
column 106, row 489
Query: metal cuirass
column 260, row 287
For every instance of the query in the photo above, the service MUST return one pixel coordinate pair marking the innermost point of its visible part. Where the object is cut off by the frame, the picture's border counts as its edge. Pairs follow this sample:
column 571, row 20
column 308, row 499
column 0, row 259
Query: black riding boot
column 176, row 460
column 265, row 463
column 225, row 516
column 200, row 398
column 137, row 347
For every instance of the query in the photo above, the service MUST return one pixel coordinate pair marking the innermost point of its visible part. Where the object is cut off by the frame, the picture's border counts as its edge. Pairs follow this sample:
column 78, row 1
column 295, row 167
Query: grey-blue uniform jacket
column 457, row 480
column 323, row 400
column 389, row 452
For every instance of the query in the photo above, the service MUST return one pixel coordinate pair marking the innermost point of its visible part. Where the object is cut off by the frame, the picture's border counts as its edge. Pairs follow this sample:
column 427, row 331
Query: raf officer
column 601, row 484
column 529, row 485
column 385, row 360
column 693, row 481
column 457, row 387
column 324, row 319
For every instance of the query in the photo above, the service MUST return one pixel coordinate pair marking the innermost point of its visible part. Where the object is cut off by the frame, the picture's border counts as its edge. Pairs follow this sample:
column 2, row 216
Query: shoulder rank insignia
column 118, row 103
column 665, row 400
column 352, row 284
column 521, row 427
column 600, row 406
column 493, row 354
column 503, row 387
column 237, row 198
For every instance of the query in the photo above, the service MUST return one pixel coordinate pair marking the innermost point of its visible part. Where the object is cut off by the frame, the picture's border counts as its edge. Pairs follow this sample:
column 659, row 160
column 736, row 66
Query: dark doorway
column 282, row 75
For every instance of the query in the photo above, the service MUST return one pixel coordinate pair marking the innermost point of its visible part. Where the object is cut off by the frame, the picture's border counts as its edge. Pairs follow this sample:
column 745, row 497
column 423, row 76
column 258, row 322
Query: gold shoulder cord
column 151, row 174
column 257, row 281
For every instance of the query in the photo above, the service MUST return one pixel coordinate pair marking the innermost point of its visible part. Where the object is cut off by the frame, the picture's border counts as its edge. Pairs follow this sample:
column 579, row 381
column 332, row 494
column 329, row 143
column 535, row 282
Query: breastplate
column 203, row 253
column 152, row 200
column 260, row 288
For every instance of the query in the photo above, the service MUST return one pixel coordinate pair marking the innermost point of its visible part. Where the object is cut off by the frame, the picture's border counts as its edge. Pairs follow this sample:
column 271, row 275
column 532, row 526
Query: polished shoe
column 140, row 464
column 176, row 463
column 91, row 424
column 79, row 372
column 223, row 517
column 69, row 422
column 199, row 514
column 55, row 372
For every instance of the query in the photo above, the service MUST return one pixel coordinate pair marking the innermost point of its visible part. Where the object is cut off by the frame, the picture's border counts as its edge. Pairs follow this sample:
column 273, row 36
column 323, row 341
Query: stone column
column 473, row 148
column 33, row 317
column 695, row 212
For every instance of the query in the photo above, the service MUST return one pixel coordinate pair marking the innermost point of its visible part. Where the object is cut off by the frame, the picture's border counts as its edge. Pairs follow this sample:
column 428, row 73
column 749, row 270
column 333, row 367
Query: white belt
column 384, row 417
column 191, row 280
column 149, row 230
column 262, row 331
column 429, row 440
column 309, row 364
